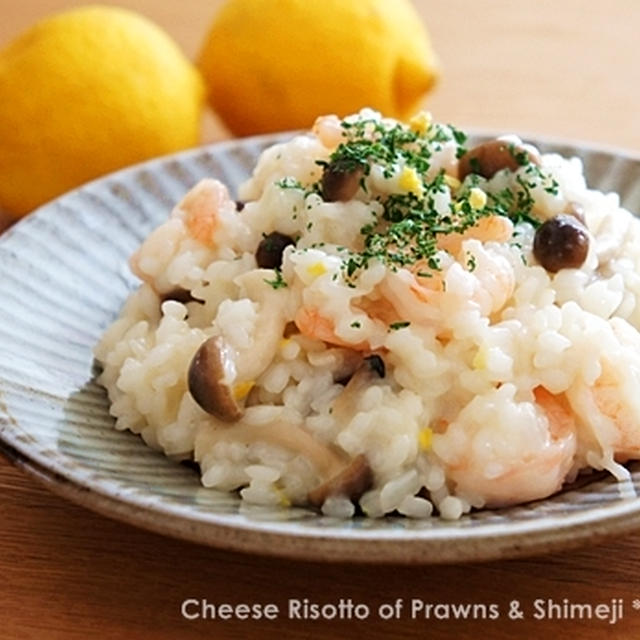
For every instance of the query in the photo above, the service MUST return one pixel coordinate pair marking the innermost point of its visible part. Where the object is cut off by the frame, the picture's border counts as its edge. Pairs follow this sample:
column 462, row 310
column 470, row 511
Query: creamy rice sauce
column 389, row 321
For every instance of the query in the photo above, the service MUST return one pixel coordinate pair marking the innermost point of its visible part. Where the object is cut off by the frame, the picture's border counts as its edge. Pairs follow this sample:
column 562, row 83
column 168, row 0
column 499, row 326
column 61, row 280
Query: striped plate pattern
column 63, row 279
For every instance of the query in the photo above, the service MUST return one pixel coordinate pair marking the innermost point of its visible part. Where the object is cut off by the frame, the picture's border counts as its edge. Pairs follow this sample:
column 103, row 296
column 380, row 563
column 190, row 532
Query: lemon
column 271, row 65
column 85, row 92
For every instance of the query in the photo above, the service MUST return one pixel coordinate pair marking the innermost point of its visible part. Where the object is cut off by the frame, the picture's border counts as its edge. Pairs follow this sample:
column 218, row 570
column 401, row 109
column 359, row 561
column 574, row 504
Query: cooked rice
column 460, row 419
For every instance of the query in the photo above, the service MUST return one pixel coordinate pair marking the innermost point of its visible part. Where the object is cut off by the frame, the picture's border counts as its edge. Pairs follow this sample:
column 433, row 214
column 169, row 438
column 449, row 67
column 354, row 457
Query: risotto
column 388, row 321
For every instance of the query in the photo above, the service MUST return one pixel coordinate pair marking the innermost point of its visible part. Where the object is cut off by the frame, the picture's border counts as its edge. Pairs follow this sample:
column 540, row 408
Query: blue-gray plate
column 64, row 278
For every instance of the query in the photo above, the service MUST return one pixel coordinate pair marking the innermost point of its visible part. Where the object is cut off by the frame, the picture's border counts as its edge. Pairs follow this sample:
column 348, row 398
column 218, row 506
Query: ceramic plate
column 63, row 279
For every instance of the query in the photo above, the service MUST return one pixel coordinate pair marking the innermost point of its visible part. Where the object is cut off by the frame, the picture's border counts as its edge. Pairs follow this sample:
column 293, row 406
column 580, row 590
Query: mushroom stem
column 270, row 324
column 351, row 482
column 342, row 475
column 345, row 405
column 492, row 156
column 288, row 435
column 341, row 181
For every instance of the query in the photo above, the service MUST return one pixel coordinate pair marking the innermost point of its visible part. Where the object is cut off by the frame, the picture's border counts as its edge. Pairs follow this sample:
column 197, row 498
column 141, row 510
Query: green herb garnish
column 412, row 219
column 278, row 282
column 290, row 183
column 471, row 262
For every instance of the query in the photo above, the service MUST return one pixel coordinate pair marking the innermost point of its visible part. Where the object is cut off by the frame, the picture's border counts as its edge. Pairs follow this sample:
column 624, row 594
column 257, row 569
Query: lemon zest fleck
column 452, row 182
column 410, row 181
column 282, row 497
column 425, row 438
column 241, row 390
column 421, row 122
column 480, row 359
column 317, row 269
column 477, row 198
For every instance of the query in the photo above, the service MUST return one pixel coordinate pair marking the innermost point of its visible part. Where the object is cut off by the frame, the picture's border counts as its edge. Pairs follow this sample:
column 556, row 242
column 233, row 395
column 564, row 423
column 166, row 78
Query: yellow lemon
column 86, row 92
column 277, row 65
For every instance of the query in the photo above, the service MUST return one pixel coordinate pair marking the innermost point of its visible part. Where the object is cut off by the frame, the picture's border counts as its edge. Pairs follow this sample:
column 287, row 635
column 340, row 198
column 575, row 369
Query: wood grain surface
column 567, row 69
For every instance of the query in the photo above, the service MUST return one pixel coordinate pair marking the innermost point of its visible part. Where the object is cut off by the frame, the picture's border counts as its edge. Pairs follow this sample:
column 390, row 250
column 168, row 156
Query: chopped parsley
column 394, row 326
column 413, row 217
column 290, row 183
column 519, row 155
column 471, row 262
column 460, row 137
column 278, row 282
column 355, row 324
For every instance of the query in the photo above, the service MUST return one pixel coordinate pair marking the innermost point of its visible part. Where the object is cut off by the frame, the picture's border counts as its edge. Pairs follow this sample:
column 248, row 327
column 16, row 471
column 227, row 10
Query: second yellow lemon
column 277, row 65
column 86, row 92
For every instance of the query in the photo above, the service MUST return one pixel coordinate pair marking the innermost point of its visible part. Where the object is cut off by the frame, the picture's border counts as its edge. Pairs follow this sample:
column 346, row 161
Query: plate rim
column 316, row 546
column 314, row 542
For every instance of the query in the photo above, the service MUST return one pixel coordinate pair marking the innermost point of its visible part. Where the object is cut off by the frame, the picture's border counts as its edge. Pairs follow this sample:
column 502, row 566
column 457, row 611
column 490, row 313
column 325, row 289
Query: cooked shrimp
column 427, row 279
column 489, row 228
column 149, row 260
column 610, row 399
column 558, row 410
column 495, row 278
column 378, row 309
column 609, row 415
column 414, row 299
column 196, row 217
column 498, row 457
column 313, row 324
column 329, row 131
column 609, row 410
column 420, row 298
column 200, row 208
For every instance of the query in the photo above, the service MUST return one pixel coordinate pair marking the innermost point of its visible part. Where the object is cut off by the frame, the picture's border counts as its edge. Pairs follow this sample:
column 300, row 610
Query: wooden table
column 567, row 69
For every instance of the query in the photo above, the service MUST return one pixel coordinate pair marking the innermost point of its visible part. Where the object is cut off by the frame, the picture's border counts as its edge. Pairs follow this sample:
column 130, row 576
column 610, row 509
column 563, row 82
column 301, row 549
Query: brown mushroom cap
column 205, row 380
column 351, row 482
column 561, row 243
column 270, row 250
column 178, row 294
column 492, row 156
column 341, row 182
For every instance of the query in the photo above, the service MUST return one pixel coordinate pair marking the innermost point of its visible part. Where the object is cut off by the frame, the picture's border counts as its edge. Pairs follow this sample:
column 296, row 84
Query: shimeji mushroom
column 354, row 478
column 208, row 377
column 218, row 367
column 561, row 242
column 341, row 474
column 351, row 481
column 488, row 158
column 341, row 181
